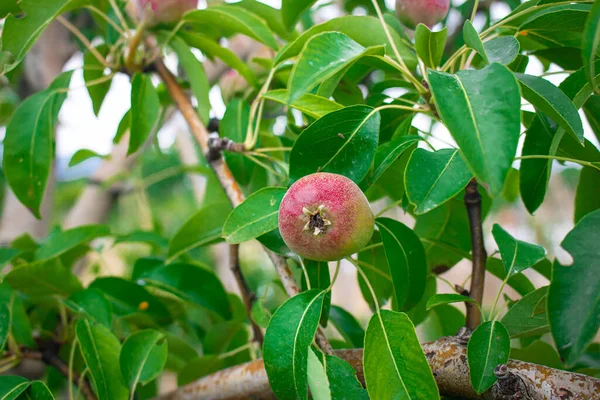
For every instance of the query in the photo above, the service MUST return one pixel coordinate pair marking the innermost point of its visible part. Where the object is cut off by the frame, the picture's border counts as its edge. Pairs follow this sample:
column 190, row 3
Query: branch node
column 464, row 334
column 509, row 386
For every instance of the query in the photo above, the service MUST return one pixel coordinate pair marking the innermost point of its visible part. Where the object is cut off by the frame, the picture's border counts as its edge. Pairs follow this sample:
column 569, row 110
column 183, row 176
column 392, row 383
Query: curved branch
column 447, row 357
column 225, row 177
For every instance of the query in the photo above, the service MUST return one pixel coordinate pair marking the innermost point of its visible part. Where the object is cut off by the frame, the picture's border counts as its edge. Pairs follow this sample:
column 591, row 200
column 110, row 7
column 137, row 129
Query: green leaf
column 257, row 215
column 12, row 386
column 100, row 350
column 404, row 251
column 213, row 49
column 568, row 17
column 310, row 104
column 91, row 303
column 84, row 155
column 145, row 111
column 573, row 302
column 20, row 324
column 229, row 20
column 28, row 145
column 544, row 139
column 93, row 74
column 234, row 126
column 202, row 229
column 520, row 320
column 343, row 382
column 488, row 347
column 5, row 324
column 9, row 7
column 39, row 391
column 482, row 111
column 394, row 363
column 432, row 178
column 291, row 11
column 430, row 45
column 473, row 41
column 59, row 242
column 319, row 278
column 347, row 326
column 549, row 99
column 517, row 255
column 346, row 144
column 44, row 279
column 388, row 153
column 503, row 50
column 143, row 357
column 127, row 299
column 318, row 381
column 587, row 197
column 447, row 298
column 193, row 284
column 287, row 341
column 322, row 57
column 20, row 34
column 591, row 41
column 353, row 26
column 123, row 128
column 195, row 73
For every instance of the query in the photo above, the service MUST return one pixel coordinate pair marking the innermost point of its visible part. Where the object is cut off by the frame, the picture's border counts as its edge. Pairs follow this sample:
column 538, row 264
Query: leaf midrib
column 296, row 339
column 388, row 345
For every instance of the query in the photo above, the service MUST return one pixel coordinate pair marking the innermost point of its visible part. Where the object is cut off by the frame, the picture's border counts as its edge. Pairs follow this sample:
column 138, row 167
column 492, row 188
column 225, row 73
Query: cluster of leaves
column 335, row 84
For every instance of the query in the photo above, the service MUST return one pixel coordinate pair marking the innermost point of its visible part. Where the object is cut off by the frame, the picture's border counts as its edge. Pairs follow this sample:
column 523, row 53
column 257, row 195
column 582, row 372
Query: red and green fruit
column 415, row 12
column 164, row 11
column 325, row 217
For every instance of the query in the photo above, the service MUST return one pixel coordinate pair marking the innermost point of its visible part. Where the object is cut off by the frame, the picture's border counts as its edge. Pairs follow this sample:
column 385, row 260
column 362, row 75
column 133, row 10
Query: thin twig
column 248, row 296
column 226, row 179
column 473, row 205
column 49, row 356
column 88, row 45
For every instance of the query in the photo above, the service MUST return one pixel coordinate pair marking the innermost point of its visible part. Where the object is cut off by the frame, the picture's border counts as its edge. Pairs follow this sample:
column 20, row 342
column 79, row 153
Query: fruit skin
column 415, row 12
column 164, row 11
column 347, row 217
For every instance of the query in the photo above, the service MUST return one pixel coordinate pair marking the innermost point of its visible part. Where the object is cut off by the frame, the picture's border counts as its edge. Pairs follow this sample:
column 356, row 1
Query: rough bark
column 447, row 358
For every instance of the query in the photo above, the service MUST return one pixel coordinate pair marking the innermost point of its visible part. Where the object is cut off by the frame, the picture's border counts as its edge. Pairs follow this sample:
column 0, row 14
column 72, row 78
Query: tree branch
column 473, row 205
column 447, row 358
column 247, row 295
column 49, row 356
column 225, row 177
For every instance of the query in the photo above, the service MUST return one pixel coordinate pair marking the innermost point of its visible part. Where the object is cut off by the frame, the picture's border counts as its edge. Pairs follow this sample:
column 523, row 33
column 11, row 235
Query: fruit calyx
column 316, row 220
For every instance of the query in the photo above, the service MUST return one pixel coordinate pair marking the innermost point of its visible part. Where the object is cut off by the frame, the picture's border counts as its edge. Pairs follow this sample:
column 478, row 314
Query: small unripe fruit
column 428, row 12
column 325, row 217
column 163, row 11
column 231, row 84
